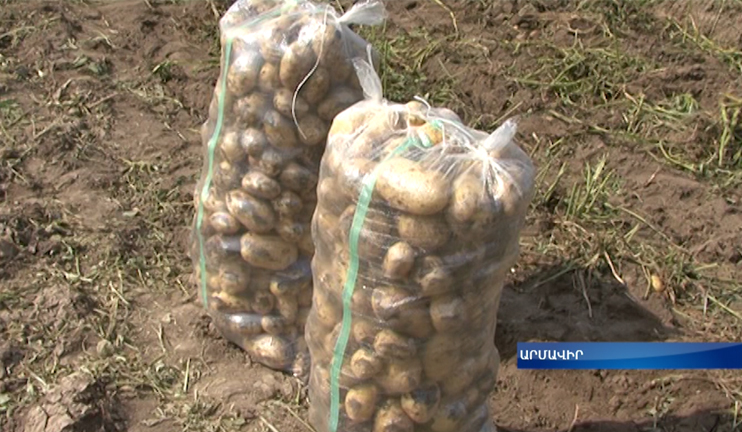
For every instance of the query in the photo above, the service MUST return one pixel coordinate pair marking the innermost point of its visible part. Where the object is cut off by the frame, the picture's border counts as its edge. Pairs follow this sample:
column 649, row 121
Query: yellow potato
column 457, row 383
column 364, row 331
column 231, row 147
column 406, row 186
column 289, row 106
column 433, row 277
column 270, row 162
column 268, row 80
column 421, row 403
column 316, row 87
column 263, row 302
column 296, row 63
column 448, row 313
column 253, row 141
column 449, row 417
column 297, row 178
column 288, row 308
column 259, row 185
column 399, row 260
column 328, row 312
column 249, row 110
column 400, row 376
column 360, row 402
column 389, row 343
column 288, row 204
column 279, row 130
column 224, row 223
column 242, row 76
column 467, row 196
column 273, row 324
column 234, row 278
column 229, row 301
column 391, row 418
column 267, row 251
column 312, row 130
column 337, row 100
column 272, row 351
column 426, row 232
column 440, row 356
column 255, row 214
column 365, row 364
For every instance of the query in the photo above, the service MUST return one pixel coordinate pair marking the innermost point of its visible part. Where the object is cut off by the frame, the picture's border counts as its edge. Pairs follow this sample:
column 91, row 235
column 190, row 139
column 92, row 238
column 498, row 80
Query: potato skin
column 406, row 186
column 267, row 251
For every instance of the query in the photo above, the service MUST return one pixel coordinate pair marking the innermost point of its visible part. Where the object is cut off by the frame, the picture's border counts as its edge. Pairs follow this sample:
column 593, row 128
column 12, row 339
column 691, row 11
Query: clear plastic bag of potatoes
column 416, row 227
column 286, row 71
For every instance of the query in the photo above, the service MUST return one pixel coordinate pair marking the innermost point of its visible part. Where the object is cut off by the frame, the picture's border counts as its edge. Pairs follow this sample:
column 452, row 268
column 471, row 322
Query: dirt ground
column 630, row 109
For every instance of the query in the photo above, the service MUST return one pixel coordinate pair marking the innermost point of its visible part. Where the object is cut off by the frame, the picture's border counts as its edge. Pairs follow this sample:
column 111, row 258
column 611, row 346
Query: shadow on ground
column 562, row 303
column 701, row 421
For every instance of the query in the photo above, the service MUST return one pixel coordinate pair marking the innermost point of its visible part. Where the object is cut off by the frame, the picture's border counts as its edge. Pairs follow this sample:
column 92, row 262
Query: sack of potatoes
column 416, row 228
column 286, row 71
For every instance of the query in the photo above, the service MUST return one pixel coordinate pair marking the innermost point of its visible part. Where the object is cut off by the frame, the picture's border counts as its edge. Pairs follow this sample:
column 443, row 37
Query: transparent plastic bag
column 286, row 71
column 416, row 227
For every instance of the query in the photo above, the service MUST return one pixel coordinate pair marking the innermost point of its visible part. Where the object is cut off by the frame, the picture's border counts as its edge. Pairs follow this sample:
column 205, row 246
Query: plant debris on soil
column 630, row 109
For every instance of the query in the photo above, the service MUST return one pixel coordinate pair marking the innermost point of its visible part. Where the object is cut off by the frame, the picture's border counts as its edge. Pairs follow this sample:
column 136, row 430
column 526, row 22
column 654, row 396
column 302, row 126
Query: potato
column 290, row 281
column 212, row 203
column 406, row 186
column 391, row 418
column 279, row 130
column 227, row 176
column 250, row 110
column 270, row 162
column 288, row 308
column 224, row 223
column 230, row 301
column 352, row 175
column 296, row 63
column 365, row 364
column 390, row 302
column 360, row 402
column 234, row 279
column 231, row 147
column 373, row 235
column 456, row 383
column 440, row 356
column 268, row 79
column 400, row 376
column 327, row 311
column 259, row 185
column 290, row 231
column 416, row 323
column 297, row 178
column 364, row 331
column 466, row 198
column 448, row 313
column 288, row 105
column 253, row 141
column 245, row 324
column 220, row 247
column 426, row 232
column 338, row 99
column 255, row 214
column 242, row 76
column 399, row 260
column 263, row 302
column 421, row 403
column 316, row 87
column 312, row 130
column 389, row 343
column 334, row 202
column 433, row 277
column 272, row 351
column 267, row 251
column 449, row 417
column 360, row 302
column 349, row 121
column 288, row 204
column 274, row 325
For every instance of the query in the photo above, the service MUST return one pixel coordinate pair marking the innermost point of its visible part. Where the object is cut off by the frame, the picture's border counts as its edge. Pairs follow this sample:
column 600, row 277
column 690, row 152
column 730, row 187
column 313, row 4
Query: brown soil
column 101, row 107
